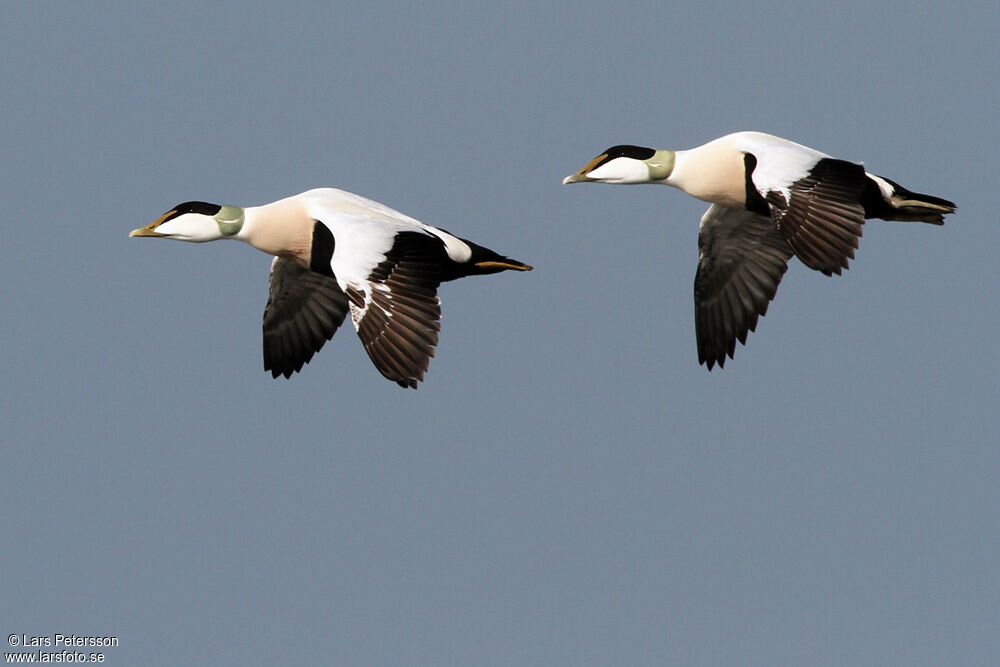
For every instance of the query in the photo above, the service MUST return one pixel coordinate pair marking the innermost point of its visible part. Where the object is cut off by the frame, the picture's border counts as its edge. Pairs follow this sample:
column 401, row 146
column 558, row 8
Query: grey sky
column 568, row 486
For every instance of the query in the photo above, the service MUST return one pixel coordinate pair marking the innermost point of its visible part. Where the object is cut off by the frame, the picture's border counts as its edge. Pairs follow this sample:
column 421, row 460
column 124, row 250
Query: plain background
column 568, row 486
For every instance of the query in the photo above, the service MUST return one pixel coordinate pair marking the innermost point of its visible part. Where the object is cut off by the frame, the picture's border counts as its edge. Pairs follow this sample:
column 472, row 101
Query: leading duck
column 770, row 199
column 335, row 251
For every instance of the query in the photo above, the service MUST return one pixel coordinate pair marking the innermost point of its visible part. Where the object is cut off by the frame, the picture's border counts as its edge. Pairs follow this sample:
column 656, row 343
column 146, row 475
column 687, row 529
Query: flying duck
column 770, row 199
column 335, row 251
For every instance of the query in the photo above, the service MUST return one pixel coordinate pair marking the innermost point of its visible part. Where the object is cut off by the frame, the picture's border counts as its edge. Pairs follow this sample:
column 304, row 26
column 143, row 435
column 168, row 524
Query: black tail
column 483, row 261
column 904, row 205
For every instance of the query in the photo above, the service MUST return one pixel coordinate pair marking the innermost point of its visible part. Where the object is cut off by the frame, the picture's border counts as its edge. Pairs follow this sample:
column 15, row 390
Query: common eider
column 335, row 251
column 770, row 199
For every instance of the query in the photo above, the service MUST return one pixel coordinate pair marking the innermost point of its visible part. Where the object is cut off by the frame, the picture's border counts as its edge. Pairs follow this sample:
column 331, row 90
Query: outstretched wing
column 741, row 259
column 396, row 309
column 820, row 213
column 304, row 310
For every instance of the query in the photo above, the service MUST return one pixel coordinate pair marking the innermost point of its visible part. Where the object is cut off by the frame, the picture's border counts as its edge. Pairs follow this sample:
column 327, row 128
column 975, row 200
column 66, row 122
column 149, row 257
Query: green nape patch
column 230, row 220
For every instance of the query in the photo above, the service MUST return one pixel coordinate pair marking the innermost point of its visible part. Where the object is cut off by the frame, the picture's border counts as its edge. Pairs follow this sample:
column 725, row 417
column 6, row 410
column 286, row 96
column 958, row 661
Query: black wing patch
column 304, row 310
column 399, row 328
column 823, row 215
column 742, row 258
column 322, row 249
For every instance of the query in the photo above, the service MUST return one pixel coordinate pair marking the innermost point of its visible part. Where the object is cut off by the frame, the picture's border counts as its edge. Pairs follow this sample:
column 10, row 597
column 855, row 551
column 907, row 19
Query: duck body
column 771, row 198
column 769, row 165
column 337, row 252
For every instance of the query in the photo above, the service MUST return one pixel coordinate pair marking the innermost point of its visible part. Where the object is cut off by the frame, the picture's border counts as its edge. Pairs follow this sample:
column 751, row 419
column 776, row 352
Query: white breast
column 713, row 173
